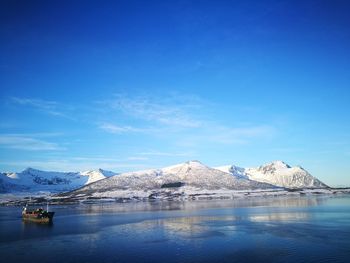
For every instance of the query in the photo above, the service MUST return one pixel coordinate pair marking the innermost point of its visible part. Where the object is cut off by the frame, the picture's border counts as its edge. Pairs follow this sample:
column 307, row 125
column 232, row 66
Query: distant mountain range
column 192, row 174
column 33, row 180
column 276, row 173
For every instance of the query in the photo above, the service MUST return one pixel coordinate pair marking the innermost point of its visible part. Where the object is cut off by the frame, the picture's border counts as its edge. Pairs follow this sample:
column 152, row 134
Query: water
column 305, row 229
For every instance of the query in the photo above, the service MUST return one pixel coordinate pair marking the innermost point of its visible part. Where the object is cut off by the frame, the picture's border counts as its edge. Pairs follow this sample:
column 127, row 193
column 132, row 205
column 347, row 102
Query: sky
column 131, row 85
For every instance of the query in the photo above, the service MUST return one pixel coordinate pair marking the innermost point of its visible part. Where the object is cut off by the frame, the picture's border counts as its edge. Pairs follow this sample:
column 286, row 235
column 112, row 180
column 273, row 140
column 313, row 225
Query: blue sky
column 128, row 85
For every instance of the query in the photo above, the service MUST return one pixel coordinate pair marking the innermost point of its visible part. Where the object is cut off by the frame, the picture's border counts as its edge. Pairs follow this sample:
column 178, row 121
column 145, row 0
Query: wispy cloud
column 191, row 119
column 170, row 154
column 172, row 111
column 240, row 135
column 137, row 158
column 37, row 134
column 46, row 106
column 112, row 128
column 287, row 150
column 74, row 164
column 224, row 135
column 21, row 142
column 94, row 159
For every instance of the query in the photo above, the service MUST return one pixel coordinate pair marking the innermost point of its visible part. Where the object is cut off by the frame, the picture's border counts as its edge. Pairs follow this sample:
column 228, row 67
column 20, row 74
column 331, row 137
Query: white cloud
column 94, row 159
column 239, row 135
column 49, row 107
column 287, row 150
column 13, row 141
column 165, row 111
column 36, row 134
column 156, row 153
column 75, row 164
column 111, row 128
column 35, row 103
column 137, row 158
column 188, row 121
column 217, row 134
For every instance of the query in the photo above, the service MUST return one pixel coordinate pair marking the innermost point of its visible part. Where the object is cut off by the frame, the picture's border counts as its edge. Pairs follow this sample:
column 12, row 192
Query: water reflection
column 34, row 230
column 198, row 205
column 280, row 217
column 278, row 224
column 185, row 227
column 191, row 219
column 289, row 230
column 29, row 224
column 194, row 227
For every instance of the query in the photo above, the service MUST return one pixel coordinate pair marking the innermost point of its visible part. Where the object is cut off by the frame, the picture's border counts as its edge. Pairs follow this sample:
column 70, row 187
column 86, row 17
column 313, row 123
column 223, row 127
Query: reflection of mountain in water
column 280, row 217
column 190, row 227
column 198, row 205
column 283, row 202
column 185, row 227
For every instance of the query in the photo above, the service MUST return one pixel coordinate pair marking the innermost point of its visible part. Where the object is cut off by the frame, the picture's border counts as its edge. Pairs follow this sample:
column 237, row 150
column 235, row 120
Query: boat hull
column 38, row 218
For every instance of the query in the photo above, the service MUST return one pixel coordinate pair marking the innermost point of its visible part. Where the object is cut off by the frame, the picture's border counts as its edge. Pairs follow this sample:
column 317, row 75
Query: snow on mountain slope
column 96, row 175
column 192, row 173
column 6, row 184
column 281, row 174
column 35, row 180
column 236, row 171
column 278, row 173
column 140, row 180
column 197, row 174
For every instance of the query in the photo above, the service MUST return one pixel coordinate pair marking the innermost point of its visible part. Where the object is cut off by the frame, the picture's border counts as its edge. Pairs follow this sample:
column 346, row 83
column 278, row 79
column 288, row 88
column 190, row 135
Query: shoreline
column 169, row 195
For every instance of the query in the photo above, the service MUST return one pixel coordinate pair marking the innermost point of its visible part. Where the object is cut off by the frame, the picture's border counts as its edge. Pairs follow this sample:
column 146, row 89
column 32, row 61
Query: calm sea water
column 307, row 229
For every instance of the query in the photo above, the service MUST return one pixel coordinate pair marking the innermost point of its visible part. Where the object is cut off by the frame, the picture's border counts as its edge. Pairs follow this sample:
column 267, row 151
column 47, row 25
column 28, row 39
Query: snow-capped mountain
column 233, row 170
column 6, row 184
column 191, row 174
column 277, row 173
column 34, row 180
column 188, row 176
column 96, row 175
column 197, row 174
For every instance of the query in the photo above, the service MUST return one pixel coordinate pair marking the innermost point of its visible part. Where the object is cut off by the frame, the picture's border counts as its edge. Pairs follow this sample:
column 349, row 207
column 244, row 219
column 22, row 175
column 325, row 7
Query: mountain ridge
column 280, row 174
column 31, row 179
column 191, row 173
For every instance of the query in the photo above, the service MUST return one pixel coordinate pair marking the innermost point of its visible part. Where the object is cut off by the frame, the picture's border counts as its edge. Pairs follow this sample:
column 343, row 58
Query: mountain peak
column 278, row 164
column 188, row 164
column 234, row 170
column 106, row 172
column 281, row 174
column 194, row 162
column 30, row 170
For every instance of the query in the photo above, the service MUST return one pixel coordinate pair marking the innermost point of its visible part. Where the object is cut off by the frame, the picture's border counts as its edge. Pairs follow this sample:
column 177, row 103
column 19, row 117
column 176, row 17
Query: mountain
column 190, row 174
column 34, row 180
column 196, row 174
column 96, row 175
column 185, row 177
column 277, row 173
column 236, row 171
column 7, row 185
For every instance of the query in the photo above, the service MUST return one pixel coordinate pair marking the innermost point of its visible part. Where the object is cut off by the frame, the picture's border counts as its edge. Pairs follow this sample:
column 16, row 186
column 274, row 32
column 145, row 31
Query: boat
column 38, row 215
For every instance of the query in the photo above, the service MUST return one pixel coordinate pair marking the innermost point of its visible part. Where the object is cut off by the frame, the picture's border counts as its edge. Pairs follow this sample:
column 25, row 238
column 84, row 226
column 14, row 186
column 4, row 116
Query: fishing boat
column 38, row 215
